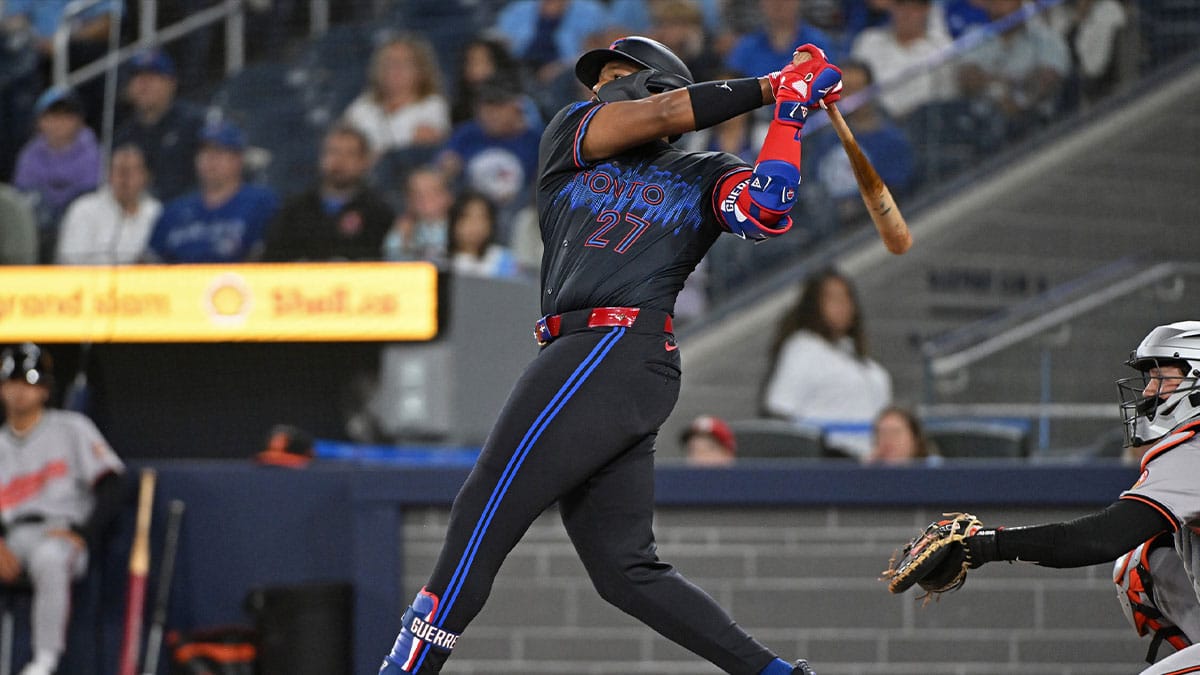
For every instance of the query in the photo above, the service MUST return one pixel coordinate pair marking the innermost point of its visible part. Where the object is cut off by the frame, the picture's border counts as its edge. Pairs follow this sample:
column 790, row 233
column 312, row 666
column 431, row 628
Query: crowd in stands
column 410, row 130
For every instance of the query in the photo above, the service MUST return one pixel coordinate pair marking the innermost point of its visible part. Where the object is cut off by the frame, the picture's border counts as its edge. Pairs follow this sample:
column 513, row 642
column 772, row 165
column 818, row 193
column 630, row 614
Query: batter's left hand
column 809, row 79
column 71, row 536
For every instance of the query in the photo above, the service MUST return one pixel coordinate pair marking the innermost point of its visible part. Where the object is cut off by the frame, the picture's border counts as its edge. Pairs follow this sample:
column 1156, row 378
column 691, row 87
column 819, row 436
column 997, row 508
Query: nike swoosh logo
column 670, row 347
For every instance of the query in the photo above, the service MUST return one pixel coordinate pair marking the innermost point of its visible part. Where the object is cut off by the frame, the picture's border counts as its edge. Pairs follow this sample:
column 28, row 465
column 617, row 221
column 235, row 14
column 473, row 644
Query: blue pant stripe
column 535, row 430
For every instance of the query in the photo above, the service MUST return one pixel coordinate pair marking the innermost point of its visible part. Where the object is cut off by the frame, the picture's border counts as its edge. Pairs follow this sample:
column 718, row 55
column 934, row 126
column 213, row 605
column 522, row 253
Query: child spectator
column 420, row 232
column 708, row 441
column 473, row 248
column 484, row 59
column 58, row 164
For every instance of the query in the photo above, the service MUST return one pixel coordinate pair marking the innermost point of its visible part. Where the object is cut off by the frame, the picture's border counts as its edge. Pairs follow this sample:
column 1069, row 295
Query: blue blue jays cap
column 152, row 61
column 224, row 134
column 60, row 99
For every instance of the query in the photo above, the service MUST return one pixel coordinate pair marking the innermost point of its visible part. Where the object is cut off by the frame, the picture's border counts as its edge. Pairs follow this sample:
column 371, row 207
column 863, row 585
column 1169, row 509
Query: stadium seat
column 778, row 439
column 970, row 439
column 260, row 87
column 949, row 136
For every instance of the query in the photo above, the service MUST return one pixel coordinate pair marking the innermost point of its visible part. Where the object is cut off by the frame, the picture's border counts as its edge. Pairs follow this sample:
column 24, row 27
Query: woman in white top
column 473, row 247
column 111, row 225
column 403, row 104
column 820, row 372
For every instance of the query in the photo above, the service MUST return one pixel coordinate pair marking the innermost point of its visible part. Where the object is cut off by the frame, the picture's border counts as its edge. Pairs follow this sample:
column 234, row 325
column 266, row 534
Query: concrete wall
column 804, row 582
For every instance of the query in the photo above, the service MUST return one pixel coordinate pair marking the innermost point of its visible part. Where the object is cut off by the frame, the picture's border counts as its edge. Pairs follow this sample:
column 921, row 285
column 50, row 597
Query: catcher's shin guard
column 417, row 636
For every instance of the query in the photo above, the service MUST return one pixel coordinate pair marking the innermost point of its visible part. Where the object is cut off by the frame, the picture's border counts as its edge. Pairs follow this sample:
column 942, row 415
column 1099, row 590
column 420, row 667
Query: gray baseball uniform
column 1170, row 482
column 46, row 478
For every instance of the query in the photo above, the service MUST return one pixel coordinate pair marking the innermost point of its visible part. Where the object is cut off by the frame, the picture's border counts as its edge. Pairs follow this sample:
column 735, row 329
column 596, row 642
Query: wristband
column 714, row 102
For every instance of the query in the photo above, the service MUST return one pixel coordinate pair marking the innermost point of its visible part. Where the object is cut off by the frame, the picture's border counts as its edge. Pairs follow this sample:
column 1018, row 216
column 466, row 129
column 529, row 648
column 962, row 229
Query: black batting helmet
column 28, row 363
column 667, row 70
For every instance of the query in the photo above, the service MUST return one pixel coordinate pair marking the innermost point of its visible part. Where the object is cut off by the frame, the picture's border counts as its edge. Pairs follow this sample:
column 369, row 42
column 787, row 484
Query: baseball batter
column 1161, row 410
column 625, row 218
column 59, row 488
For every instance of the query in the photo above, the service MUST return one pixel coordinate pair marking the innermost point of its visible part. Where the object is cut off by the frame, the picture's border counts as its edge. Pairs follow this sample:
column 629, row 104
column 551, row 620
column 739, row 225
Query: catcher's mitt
column 937, row 559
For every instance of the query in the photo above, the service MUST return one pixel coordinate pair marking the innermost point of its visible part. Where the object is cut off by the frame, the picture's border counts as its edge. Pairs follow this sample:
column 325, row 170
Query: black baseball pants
column 579, row 428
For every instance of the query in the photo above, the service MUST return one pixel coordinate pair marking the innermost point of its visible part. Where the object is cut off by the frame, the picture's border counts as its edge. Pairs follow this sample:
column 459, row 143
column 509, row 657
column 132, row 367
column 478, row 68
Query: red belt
column 552, row 325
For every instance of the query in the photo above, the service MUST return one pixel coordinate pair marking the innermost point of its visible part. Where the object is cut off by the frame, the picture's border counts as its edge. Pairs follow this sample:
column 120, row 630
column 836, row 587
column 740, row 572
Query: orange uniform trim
column 1190, row 428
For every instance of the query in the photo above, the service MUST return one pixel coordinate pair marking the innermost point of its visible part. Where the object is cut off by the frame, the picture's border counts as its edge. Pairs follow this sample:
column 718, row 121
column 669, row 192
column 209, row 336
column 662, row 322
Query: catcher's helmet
column 28, row 363
column 1149, row 418
column 667, row 71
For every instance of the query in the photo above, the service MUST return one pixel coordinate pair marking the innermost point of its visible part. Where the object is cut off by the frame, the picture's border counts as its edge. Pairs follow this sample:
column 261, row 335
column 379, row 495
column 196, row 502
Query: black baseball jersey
column 625, row 231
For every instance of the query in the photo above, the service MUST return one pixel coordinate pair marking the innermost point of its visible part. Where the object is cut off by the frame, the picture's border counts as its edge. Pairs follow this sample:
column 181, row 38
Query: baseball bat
column 166, row 573
column 139, row 567
column 882, row 208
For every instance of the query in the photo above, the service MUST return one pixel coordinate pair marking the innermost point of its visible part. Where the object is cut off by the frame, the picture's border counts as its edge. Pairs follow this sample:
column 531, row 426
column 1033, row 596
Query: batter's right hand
column 10, row 567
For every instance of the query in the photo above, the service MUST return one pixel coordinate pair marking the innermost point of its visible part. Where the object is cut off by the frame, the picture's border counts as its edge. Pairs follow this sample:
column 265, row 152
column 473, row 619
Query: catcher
column 1161, row 411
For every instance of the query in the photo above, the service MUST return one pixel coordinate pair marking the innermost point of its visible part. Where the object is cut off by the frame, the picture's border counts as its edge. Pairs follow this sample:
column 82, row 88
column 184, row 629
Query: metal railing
column 231, row 12
column 951, row 354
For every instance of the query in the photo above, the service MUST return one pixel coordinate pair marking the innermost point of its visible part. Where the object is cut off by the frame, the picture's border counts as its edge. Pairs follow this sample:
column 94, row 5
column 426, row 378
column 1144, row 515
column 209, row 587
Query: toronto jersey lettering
column 649, row 204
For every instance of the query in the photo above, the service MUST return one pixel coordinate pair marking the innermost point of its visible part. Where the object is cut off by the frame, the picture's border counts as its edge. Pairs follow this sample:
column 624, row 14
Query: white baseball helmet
column 1149, row 418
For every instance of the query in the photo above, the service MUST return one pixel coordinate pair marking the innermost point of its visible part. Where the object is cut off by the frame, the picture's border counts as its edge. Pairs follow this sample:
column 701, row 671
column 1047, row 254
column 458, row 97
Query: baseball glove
column 937, row 559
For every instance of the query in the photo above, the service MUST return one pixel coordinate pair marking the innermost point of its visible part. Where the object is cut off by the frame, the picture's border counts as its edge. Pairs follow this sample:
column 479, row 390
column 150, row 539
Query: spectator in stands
column 88, row 39
column 863, row 14
column 495, row 153
column 340, row 218
column 897, row 54
column 421, row 231
column 679, row 24
column 20, row 84
column 18, row 228
column 111, row 225
column 708, row 441
column 165, row 128
column 403, row 105
column 548, row 35
column 781, row 30
column 1021, row 70
column 885, row 144
column 897, row 438
column 225, row 219
column 963, row 15
column 820, row 372
column 58, row 164
column 472, row 239
column 483, row 59
column 1092, row 28
column 637, row 16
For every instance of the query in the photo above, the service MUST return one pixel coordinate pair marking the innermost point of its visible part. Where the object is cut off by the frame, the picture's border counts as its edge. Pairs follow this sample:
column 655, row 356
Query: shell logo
column 228, row 299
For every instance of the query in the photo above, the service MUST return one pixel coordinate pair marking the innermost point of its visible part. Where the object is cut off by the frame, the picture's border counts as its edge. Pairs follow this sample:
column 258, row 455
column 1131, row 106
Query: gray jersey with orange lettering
column 48, row 473
column 1170, row 482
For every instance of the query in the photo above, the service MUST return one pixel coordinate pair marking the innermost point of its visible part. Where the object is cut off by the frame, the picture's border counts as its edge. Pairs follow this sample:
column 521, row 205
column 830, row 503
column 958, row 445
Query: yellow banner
column 290, row 302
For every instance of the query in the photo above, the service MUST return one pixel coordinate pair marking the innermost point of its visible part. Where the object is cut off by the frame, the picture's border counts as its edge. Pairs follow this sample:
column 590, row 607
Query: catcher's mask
column 661, row 70
column 27, row 363
column 1149, row 418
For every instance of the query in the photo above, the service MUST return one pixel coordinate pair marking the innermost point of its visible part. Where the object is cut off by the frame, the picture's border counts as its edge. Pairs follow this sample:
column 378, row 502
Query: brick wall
column 804, row 582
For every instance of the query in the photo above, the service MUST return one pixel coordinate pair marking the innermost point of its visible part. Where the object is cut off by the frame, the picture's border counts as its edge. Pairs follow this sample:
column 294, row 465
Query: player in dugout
column 60, row 487
column 625, row 217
